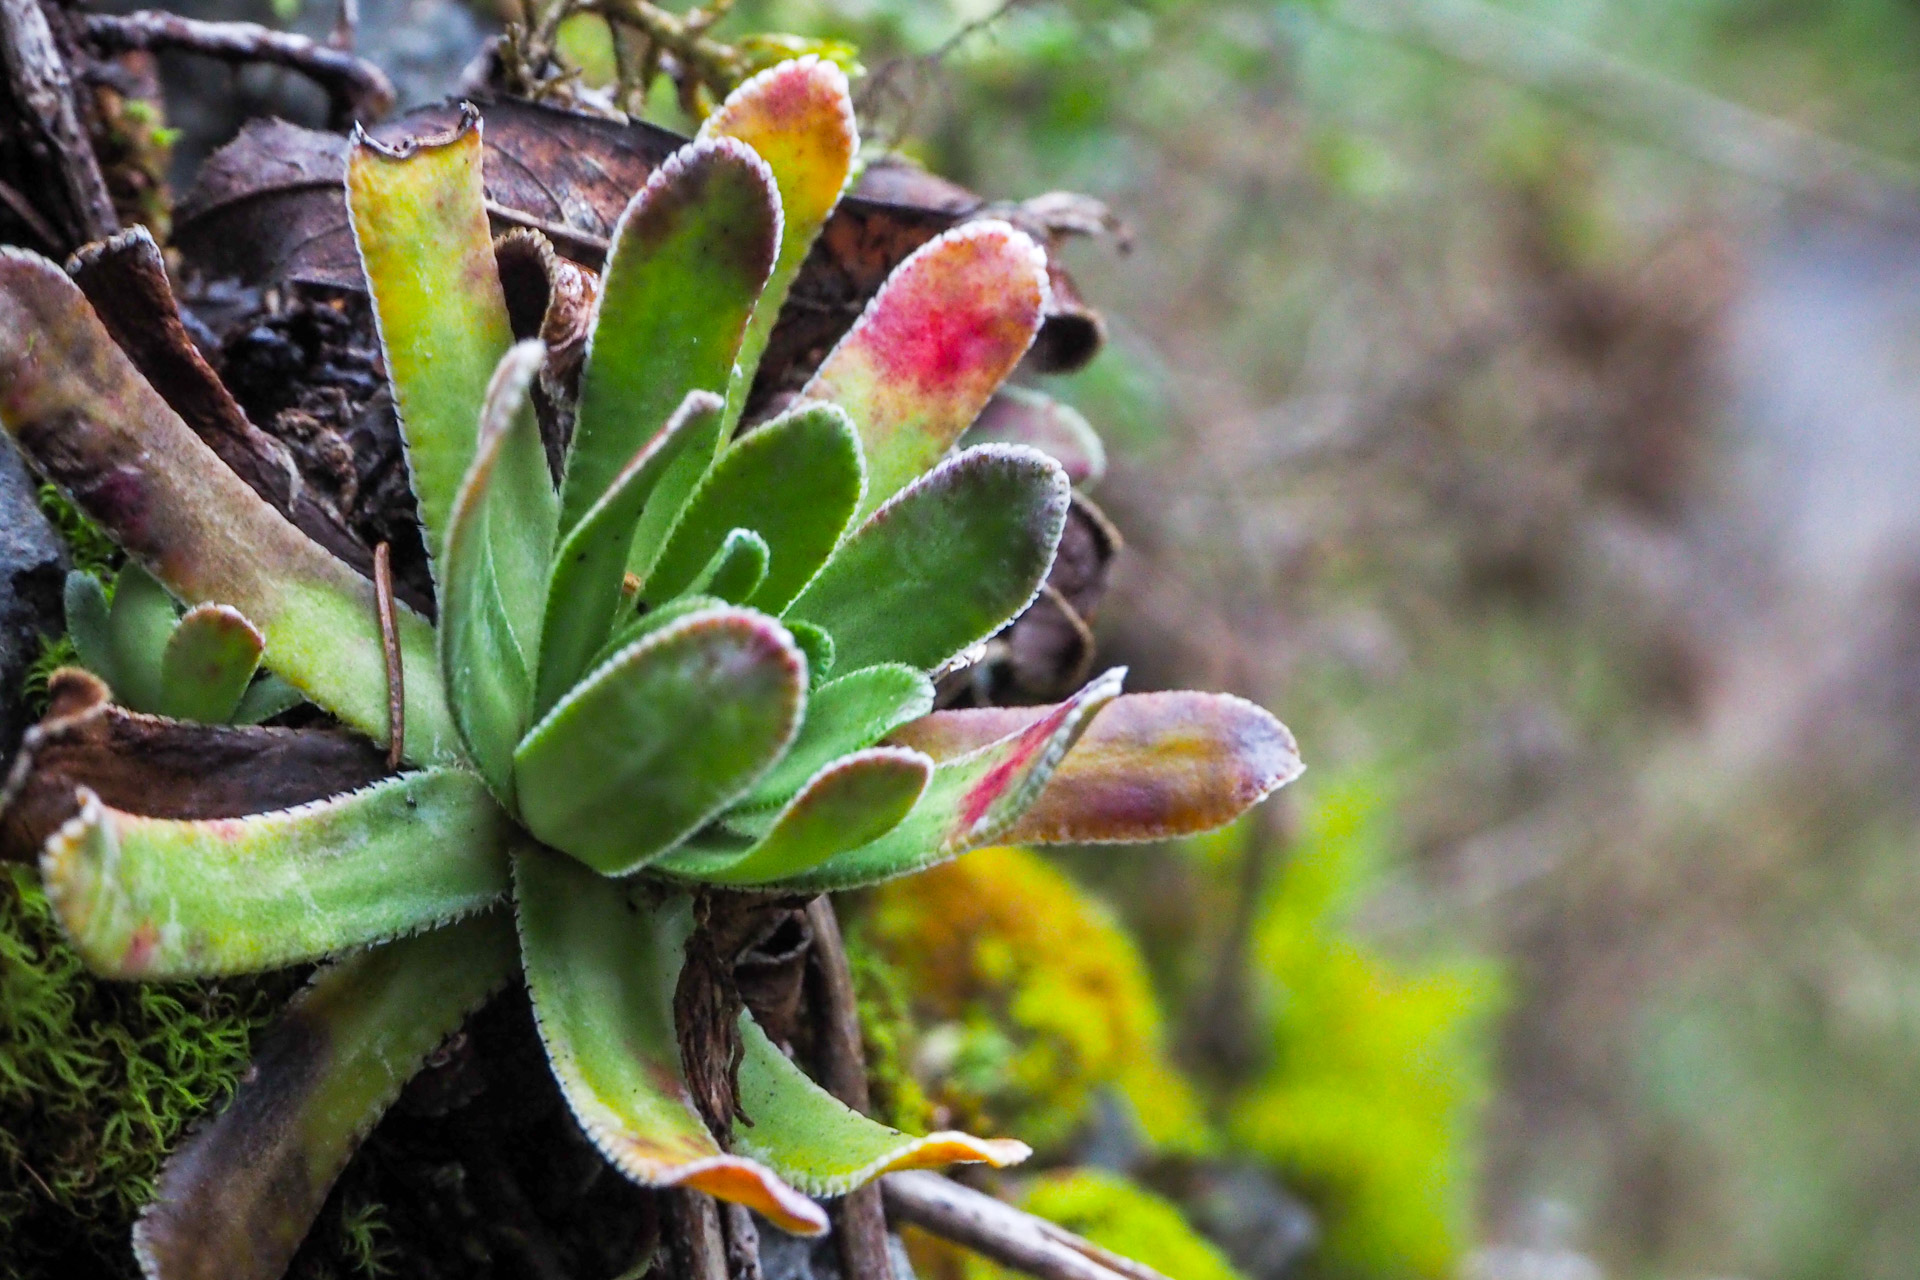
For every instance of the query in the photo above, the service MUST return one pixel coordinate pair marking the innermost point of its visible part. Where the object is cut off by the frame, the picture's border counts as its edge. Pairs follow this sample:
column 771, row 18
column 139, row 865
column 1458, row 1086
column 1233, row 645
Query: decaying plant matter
column 701, row 661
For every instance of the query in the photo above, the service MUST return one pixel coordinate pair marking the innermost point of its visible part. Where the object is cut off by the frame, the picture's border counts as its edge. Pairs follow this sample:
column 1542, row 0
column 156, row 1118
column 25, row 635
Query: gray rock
column 33, row 564
column 785, row 1257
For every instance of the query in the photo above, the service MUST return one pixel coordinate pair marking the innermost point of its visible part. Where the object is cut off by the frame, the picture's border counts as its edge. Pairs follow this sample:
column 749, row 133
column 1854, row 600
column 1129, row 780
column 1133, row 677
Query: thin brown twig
column 555, row 231
column 1001, row 1232
column 23, row 209
column 860, row 1218
column 43, row 92
column 881, row 83
column 390, row 643
column 359, row 90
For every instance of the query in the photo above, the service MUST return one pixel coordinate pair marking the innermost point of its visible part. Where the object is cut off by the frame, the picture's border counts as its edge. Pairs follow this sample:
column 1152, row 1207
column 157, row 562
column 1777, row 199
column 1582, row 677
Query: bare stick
column 22, row 208
column 1762, row 148
column 693, row 1236
column 558, row 232
column 44, row 92
column 359, row 90
column 860, row 1220
column 390, row 641
column 1001, row 1232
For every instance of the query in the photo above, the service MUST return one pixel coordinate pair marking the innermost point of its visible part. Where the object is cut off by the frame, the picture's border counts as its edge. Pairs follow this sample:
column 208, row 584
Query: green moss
column 886, row 1027
column 97, row 1079
column 92, row 551
column 1371, row 1103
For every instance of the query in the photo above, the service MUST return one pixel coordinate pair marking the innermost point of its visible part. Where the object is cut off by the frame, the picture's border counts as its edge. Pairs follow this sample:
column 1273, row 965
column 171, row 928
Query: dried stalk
column 358, row 89
column 1003, row 1233
column 43, row 90
column 859, row 1219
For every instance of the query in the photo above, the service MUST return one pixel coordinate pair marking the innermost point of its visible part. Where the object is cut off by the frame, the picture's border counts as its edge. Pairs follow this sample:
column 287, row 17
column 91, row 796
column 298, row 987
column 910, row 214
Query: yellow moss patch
column 1031, row 1001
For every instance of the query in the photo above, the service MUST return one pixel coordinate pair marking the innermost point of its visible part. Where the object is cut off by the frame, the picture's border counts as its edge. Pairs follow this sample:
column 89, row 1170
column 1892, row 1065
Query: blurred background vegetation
column 1521, row 400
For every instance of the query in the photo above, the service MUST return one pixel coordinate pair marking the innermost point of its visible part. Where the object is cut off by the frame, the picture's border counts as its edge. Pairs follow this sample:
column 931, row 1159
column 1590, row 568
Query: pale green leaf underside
column 242, row 1190
column 822, row 1146
column 602, row 960
column 85, row 603
column 139, row 623
column 163, row 898
column 661, row 738
column 950, row 560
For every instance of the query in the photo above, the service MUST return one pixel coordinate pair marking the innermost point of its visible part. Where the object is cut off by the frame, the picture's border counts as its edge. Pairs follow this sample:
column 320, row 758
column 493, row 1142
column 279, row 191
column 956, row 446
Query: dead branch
column 1003, row 1233
column 859, row 1219
column 44, row 93
column 694, row 1239
column 1761, row 148
column 358, row 89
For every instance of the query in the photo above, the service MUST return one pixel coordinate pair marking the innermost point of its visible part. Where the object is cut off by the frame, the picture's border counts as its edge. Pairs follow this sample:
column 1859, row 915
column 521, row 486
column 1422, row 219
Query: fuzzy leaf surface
column 240, row 1193
column 209, row 660
column 973, row 799
column 798, row 117
column 794, row 481
column 86, row 420
column 661, row 738
column 689, row 258
column 139, row 623
column 824, row 1147
column 945, row 330
column 602, row 960
column 852, row 801
column 419, row 218
column 844, row 715
column 735, row 569
column 176, row 898
column 949, row 561
column 1151, row 767
column 494, row 579
column 84, row 602
column 591, row 563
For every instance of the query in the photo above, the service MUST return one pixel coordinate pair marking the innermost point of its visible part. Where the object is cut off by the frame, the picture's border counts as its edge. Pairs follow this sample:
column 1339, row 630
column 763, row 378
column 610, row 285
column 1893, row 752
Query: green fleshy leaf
column 821, row 1145
column 690, row 255
column 854, row 800
column 591, row 564
column 1017, row 415
column 952, row 559
column 419, row 218
column 85, row 601
column 794, row 481
column 208, row 663
column 653, row 620
column 972, row 800
column 735, row 569
column 266, row 698
column 843, row 716
column 942, row 333
column 139, row 624
column 798, row 117
column 661, row 738
column 88, row 422
column 602, row 959
column 494, row 580
column 1152, row 767
column 167, row 898
column 239, row 1194
column 817, row 645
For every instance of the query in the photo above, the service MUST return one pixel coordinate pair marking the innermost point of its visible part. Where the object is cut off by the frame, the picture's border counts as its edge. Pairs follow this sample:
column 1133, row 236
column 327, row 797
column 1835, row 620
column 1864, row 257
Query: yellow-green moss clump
column 1029, row 1002
column 96, row 1080
column 1105, row 1208
column 1370, row 1105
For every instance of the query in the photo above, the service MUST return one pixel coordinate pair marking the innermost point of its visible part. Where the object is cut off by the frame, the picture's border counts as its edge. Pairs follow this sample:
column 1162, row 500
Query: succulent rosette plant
column 701, row 658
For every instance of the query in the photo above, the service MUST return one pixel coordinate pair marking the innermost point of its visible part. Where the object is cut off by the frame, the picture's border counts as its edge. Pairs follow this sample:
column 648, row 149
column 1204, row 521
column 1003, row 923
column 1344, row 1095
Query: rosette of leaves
column 700, row 658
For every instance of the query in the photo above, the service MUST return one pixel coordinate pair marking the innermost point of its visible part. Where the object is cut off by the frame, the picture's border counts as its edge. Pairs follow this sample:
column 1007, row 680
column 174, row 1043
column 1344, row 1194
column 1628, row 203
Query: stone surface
column 785, row 1257
column 33, row 565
